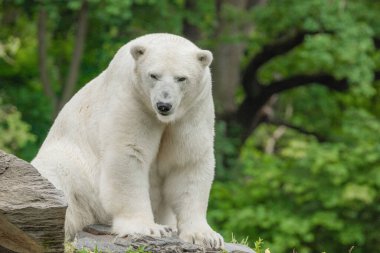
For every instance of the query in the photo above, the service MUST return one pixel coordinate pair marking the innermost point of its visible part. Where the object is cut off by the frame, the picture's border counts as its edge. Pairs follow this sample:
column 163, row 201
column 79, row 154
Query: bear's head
column 172, row 76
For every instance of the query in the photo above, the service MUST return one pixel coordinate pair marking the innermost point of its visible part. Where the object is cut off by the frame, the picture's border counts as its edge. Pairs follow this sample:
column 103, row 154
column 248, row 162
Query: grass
column 258, row 245
column 244, row 241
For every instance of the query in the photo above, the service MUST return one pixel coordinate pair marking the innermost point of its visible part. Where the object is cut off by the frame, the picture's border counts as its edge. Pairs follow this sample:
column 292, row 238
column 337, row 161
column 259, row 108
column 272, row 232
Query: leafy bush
column 14, row 133
column 309, row 196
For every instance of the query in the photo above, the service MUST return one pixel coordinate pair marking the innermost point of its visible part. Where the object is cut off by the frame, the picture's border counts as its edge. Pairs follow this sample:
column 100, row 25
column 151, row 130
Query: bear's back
column 159, row 39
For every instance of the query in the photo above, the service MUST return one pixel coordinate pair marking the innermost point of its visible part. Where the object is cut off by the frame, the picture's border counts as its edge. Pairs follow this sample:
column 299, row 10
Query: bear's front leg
column 187, row 190
column 124, row 192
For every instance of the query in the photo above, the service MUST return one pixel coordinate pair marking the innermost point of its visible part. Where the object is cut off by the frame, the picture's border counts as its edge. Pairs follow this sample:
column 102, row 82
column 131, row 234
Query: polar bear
column 134, row 147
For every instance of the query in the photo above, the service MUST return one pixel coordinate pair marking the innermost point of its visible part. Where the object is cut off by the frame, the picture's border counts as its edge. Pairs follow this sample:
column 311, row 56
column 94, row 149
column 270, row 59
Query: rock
column 237, row 248
column 100, row 237
column 32, row 210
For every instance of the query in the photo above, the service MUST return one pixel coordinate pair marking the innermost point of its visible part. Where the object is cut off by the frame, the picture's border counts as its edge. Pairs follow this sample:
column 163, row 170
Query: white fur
column 119, row 161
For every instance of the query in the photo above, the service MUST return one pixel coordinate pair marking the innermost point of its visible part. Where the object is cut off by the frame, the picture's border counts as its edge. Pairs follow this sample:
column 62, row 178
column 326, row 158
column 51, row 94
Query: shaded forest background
column 295, row 86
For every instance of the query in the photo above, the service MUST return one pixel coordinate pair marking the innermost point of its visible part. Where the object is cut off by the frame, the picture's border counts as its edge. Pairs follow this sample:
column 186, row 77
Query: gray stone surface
column 99, row 236
column 32, row 210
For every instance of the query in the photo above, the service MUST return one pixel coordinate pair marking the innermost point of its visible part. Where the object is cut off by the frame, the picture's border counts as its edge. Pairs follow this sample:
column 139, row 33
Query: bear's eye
column 181, row 79
column 154, row 76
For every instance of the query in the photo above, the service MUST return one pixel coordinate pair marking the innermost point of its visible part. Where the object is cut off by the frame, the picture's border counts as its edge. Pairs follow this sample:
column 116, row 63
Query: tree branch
column 296, row 128
column 376, row 41
column 377, row 75
column 272, row 140
column 42, row 57
column 250, row 113
column 72, row 77
column 267, row 53
column 301, row 80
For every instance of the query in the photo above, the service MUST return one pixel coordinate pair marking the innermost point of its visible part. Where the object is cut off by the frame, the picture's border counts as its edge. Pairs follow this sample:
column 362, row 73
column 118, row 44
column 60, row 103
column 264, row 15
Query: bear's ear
column 204, row 57
column 137, row 51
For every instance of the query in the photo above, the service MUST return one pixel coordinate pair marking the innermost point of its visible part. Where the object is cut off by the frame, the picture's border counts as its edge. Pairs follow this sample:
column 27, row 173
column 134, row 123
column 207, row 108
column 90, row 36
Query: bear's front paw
column 203, row 236
column 123, row 227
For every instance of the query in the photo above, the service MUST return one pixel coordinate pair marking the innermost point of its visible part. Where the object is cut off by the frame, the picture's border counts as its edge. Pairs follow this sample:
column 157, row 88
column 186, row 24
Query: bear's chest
column 181, row 146
column 174, row 151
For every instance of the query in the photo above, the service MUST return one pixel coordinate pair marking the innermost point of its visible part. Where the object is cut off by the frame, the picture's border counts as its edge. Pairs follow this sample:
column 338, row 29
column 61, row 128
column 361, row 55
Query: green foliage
column 345, row 49
column 309, row 195
column 308, row 191
column 226, row 150
column 14, row 133
column 259, row 245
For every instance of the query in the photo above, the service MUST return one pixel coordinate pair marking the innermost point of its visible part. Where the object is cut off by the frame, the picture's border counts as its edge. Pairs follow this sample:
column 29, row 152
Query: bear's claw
column 209, row 239
column 124, row 227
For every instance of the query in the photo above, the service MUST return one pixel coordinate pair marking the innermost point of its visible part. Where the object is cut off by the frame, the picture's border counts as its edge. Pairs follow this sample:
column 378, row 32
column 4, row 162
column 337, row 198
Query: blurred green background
column 295, row 86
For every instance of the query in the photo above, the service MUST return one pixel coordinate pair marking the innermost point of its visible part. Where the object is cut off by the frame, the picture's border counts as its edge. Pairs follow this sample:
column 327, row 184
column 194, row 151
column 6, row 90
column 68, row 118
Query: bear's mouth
column 165, row 113
column 166, row 117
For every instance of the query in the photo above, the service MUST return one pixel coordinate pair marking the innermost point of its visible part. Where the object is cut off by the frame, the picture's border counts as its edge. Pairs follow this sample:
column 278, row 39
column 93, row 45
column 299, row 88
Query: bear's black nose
column 163, row 107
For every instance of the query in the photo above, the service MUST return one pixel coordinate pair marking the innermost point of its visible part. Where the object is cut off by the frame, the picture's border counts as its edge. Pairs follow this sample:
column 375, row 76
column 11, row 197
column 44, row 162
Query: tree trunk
column 227, row 57
column 72, row 76
column 68, row 87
